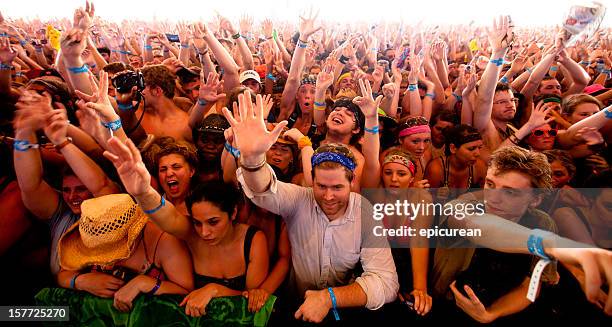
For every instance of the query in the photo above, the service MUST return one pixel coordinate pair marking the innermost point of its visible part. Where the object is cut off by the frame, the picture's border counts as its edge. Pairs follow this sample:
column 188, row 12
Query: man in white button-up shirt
column 329, row 233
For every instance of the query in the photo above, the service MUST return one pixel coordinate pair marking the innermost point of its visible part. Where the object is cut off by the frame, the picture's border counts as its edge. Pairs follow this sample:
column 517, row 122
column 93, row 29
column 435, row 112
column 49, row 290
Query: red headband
column 415, row 130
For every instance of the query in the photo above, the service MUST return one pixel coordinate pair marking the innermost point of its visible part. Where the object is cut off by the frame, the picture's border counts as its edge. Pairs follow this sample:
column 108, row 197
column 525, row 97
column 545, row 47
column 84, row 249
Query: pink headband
column 395, row 158
column 415, row 130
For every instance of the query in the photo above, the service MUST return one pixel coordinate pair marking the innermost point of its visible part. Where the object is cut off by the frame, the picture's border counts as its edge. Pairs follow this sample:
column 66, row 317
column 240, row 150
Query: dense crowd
column 153, row 171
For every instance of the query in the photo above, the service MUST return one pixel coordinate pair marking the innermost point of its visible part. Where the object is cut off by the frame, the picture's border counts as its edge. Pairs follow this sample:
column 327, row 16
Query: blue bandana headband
column 333, row 157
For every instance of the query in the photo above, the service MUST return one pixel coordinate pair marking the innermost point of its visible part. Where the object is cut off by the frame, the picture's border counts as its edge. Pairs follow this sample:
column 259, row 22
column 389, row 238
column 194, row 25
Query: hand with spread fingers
column 250, row 133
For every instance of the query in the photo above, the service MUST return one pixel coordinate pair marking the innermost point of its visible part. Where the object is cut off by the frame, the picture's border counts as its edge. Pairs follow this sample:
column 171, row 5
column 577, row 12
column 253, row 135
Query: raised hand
column 471, row 84
column 32, row 112
column 268, row 103
column 498, row 34
column 267, row 28
column 538, row 116
column 227, row 25
column 519, row 61
column 73, row 43
column 99, row 100
column 56, row 126
column 246, row 23
column 209, row 89
column 367, row 104
column 250, row 133
column 128, row 162
column 589, row 135
column 415, row 69
column 293, row 134
column 325, row 78
column 7, row 54
column 389, row 90
column 307, row 25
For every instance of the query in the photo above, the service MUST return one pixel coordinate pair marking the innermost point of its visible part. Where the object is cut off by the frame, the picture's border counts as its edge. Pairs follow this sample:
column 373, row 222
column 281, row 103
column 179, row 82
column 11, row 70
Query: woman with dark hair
column 461, row 167
column 229, row 258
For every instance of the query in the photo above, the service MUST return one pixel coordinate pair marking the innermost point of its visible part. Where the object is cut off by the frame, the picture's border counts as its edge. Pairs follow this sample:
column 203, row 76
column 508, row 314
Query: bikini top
column 237, row 283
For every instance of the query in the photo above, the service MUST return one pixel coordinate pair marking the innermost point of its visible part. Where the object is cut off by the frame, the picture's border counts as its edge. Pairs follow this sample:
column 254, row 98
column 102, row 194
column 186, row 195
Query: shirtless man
column 161, row 116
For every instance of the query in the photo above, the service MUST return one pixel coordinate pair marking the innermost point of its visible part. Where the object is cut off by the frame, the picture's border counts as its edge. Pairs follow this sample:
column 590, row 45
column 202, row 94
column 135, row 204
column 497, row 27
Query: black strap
column 248, row 239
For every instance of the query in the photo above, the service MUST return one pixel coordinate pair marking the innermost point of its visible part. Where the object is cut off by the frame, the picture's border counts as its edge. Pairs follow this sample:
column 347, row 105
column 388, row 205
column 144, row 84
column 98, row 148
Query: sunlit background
column 523, row 12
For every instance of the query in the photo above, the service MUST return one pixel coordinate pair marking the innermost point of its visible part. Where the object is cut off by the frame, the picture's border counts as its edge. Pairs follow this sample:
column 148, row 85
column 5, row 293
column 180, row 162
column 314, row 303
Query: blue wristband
column 554, row 68
column 535, row 244
column 334, row 304
column 156, row 209
column 73, row 281
column 504, row 80
column 431, row 95
column 271, row 77
column 412, row 87
column 302, row 44
column 608, row 114
column 148, row 47
column 113, row 125
column 320, row 104
column 78, row 70
column 373, row 130
column 124, row 107
column 233, row 151
column 498, row 62
column 156, row 287
column 586, row 63
column 185, row 46
column 457, row 97
column 202, row 102
column 23, row 145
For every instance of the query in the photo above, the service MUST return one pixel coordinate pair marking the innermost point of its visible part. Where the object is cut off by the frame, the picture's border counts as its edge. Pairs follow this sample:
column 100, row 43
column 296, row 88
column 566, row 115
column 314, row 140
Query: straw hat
column 106, row 233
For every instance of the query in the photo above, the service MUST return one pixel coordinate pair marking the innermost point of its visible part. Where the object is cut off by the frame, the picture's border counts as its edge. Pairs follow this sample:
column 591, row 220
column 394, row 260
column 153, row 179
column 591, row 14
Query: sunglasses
column 539, row 132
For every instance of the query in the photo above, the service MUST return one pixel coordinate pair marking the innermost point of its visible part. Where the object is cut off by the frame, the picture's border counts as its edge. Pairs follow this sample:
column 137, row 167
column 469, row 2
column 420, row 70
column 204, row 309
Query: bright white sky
column 523, row 12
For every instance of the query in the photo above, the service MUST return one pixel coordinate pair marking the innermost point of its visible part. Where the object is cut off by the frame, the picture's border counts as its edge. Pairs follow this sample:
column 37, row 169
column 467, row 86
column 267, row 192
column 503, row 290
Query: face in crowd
column 468, row 153
column 74, row 192
column 174, row 175
column 504, row 105
column 280, row 155
column 416, row 144
column 542, row 138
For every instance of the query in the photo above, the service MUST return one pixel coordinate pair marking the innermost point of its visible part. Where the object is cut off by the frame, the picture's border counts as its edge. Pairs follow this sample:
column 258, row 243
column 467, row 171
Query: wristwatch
column 60, row 146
